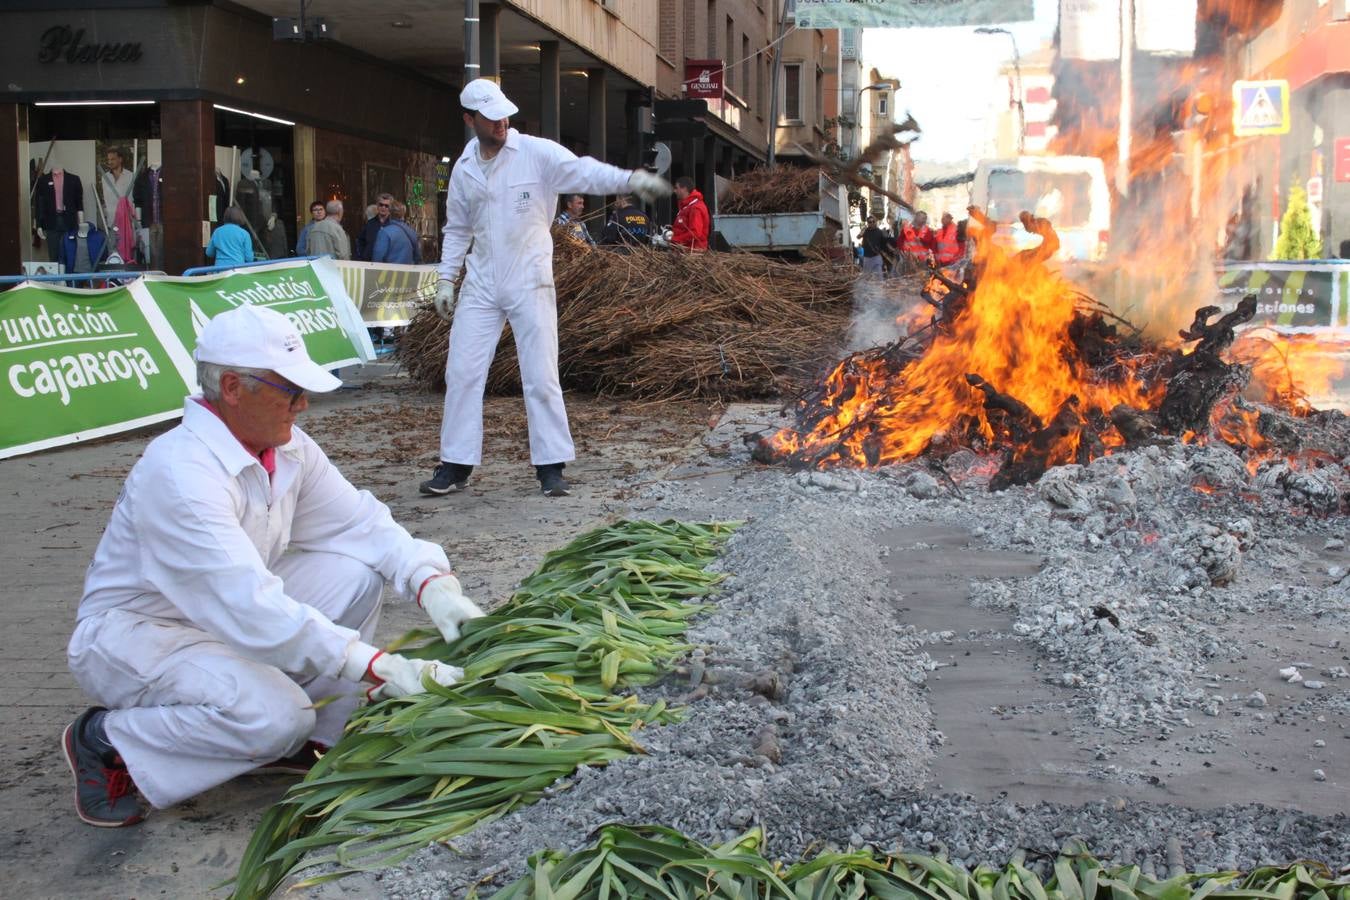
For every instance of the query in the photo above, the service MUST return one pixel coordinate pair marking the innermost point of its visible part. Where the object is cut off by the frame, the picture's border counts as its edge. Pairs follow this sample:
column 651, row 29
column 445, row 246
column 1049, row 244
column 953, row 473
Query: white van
column 1070, row 191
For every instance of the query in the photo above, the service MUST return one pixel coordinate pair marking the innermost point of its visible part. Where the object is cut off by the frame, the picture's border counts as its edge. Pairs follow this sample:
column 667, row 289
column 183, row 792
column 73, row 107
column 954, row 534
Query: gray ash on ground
column 809, row 699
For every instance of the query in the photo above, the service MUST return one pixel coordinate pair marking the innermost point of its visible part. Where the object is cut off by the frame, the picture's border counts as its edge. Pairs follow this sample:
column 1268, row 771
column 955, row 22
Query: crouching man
column 237, row 583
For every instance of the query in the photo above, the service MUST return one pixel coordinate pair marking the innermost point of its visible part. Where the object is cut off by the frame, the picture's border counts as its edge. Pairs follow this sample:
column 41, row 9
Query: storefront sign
column 81, row 364
column 1165, row 27
column 78, row 364
column 1340, row 159
column 1089, row 29
column 1260, row 107
column 703, row 78
column 61, row 43
column 1291, row 296
column 909, row 13
column 387, row 295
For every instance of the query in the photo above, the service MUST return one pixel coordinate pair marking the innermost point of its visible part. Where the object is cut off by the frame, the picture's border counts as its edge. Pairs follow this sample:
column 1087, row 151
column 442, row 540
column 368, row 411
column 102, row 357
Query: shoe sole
column 441, row 492
column 68, row 752
column 557, row 492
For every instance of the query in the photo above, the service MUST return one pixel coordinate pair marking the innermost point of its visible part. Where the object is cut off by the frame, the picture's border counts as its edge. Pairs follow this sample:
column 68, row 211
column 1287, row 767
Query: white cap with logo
column 255, row 337
column 482, row 95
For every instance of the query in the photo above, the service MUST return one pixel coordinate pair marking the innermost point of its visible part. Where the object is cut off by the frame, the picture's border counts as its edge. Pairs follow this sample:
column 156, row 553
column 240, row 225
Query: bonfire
column 1015, row 360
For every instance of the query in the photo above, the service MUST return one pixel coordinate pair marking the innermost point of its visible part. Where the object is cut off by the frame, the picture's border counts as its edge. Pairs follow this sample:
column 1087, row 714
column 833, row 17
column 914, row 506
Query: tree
column 1297, row 238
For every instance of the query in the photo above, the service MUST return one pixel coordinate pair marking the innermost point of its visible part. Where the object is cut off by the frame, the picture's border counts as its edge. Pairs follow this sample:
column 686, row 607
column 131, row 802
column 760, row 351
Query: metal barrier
column 211, row 270
column 77, row 276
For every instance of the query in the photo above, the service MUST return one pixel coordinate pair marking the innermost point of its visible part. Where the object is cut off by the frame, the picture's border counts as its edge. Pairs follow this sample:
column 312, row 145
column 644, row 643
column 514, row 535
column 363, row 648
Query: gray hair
column 209, row 375
column 333, row 207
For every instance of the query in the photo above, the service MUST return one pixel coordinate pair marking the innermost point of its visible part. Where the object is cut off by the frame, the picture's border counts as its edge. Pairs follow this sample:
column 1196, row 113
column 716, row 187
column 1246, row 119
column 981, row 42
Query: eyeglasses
column 296, row 394
column 382, row 205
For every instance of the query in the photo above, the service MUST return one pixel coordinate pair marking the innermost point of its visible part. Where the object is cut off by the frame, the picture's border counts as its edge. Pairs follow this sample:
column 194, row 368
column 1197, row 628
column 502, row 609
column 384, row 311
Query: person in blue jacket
column 231, row 244
column 397, row 242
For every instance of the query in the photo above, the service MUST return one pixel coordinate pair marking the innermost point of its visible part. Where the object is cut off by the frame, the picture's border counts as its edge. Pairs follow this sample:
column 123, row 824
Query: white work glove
column 391, row 675
column 647, row 186
column 446, row 605
column 445, row 299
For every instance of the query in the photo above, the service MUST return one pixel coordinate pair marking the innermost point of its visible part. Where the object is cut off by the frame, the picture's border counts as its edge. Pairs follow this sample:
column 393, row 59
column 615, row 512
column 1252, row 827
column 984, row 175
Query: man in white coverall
column 503, row 191
column 238, row 582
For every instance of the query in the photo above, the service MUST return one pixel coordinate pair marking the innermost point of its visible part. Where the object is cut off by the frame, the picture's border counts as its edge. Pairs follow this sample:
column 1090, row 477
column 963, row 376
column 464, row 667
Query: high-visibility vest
column 948, row 248
column 914, row 241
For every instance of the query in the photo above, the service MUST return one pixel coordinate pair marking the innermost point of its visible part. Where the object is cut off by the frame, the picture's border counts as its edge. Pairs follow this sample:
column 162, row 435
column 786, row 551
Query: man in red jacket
column 947, row 248
column 692, row 223
column 916, row 240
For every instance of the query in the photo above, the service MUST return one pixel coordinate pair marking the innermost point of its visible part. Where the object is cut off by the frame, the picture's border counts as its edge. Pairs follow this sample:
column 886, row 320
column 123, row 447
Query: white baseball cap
column 255, row 337
column 482, row 95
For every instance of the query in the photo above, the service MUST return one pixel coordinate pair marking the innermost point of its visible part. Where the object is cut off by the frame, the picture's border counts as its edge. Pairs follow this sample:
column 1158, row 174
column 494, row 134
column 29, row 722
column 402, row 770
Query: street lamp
column 857, row 113
column 1017, row 71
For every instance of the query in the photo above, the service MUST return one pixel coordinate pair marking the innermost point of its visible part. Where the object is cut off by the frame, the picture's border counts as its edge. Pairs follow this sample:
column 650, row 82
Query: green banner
column 909, row 13
column 296, row 290
column 80, row 364
column 387, row 295
column 1289, row 296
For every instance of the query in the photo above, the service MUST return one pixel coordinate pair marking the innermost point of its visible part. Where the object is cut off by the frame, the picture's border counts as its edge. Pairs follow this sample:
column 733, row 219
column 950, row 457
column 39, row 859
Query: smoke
column 884, row 311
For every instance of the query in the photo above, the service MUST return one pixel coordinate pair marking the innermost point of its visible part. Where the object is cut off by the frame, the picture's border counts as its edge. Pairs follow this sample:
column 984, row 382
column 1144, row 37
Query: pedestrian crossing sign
column 1260, row 107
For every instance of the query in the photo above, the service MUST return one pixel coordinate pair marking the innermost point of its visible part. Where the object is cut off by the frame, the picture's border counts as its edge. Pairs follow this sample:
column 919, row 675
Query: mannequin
column 147, row 194
column 82, row 249
column 274, row 239
column 60, row 205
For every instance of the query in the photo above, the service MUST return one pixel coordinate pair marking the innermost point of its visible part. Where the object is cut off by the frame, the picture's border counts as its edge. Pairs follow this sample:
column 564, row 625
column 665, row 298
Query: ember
column 1015, row 359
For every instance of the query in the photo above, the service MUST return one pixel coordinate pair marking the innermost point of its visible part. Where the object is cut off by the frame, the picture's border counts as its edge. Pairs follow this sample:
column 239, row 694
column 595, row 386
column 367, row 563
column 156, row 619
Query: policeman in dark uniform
column 628, row 225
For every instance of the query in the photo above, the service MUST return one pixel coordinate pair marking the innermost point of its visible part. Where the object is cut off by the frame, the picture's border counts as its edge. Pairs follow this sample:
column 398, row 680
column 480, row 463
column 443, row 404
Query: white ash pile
column 1146, row 551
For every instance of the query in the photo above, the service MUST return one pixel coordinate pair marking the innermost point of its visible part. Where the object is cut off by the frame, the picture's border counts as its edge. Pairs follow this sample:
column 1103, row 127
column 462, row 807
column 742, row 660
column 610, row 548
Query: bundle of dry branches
column 658, row 324
column 783, row 189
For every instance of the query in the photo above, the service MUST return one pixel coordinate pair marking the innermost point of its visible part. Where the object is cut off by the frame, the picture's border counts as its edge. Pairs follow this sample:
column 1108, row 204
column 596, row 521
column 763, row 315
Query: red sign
column 1340, row 156
column 703, row 78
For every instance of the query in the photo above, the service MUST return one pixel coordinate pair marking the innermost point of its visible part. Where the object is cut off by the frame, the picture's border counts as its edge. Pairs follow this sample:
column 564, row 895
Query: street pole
column 1126, row 96
column 471, row 54
column 1017, row 86
column 773, row 83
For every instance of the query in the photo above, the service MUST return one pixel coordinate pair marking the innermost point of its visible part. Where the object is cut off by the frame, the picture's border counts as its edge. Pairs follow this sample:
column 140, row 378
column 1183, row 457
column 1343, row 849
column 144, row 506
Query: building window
column 883, row 106
column 745, row 70
column 712, row 30
column 818, row 114
column 792, row 91
column 760, row 66
column 729, row 75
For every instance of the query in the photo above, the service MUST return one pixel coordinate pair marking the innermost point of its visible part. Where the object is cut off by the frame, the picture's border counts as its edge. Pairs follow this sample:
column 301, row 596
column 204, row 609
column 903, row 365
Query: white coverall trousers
column 477, row 327
column 189, row 713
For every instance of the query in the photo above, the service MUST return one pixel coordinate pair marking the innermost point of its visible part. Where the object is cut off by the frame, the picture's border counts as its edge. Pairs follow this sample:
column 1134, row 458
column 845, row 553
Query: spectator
column 231, row 244
column 947, row 246
column 628, row 224
column 569, row 220
column 916, row 240
column 873, row 248
column 397, row 242
column 692, row 223
column 316, row 214
column 365, row 241
column 327, row 237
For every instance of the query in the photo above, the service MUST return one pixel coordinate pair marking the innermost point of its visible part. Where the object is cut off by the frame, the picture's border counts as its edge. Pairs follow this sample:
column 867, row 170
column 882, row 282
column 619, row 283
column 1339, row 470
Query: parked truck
column 790, row 231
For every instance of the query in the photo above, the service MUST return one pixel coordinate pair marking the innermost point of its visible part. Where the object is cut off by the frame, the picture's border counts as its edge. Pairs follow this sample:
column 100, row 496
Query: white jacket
column 197, row 528
column 507, row 214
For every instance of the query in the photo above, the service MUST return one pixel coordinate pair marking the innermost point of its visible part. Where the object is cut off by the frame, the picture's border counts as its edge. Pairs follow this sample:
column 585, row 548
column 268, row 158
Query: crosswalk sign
column 1260, row 107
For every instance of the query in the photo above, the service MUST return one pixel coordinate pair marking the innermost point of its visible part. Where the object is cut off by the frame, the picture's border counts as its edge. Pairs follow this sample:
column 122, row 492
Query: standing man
column 397, row 242
column 692, row 223
column 916, row 240
column 873, row 248
column 569, row 220
column 628, row 224
column 237, row 583
column 365, row 241
column 947, row 246
column 502, row 194
column 316, row 215
column 327, row 237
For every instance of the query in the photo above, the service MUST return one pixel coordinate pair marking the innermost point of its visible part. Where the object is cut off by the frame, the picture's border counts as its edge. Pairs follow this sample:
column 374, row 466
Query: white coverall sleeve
column 458, row 230
column 333, row 516
column 568, row 173
column 194, row 552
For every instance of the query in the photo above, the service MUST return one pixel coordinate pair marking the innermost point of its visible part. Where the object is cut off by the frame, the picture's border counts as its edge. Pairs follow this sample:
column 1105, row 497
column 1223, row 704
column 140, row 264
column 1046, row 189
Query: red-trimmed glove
column 392, row 675
column 446, row 604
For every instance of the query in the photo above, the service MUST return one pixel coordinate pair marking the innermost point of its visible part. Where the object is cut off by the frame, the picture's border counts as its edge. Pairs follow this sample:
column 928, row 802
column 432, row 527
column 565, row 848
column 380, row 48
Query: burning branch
column 850, row 172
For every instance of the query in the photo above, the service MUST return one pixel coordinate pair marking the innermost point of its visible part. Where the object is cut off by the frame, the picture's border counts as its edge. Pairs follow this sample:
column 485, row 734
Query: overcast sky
column 946, row 76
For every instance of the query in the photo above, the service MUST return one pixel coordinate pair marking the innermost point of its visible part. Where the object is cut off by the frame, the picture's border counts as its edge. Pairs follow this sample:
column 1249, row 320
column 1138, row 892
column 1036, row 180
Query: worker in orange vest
column 947, row 249
column 916, row 240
